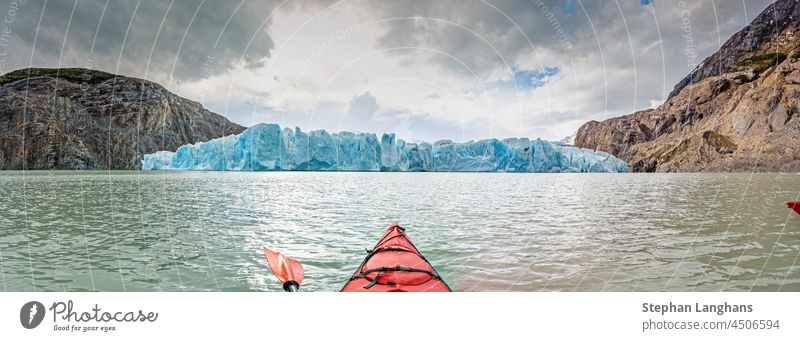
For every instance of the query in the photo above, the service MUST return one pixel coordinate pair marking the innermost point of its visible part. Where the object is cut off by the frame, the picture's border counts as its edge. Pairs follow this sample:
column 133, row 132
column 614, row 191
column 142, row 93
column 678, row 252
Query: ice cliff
column 267, row 147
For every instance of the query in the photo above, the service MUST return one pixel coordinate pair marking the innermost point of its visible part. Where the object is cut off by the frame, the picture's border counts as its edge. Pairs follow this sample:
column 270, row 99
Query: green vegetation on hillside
column 75, row 75
column 763, row 62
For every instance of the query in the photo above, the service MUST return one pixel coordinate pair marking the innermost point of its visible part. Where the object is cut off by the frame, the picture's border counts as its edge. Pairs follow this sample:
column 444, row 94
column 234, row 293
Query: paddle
column 794, row 205
column 288, row 271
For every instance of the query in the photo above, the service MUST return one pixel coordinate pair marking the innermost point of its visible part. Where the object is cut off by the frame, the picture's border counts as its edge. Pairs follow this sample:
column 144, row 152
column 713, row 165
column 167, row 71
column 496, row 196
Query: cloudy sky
column 426, row 70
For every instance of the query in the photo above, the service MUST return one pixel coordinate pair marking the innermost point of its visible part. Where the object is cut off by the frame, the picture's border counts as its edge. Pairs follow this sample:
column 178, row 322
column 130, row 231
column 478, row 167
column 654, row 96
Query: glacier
column 267, row 147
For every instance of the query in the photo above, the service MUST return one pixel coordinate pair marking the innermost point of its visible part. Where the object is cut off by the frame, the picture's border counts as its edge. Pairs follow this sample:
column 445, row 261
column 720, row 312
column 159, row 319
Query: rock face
column 86, row 119
column 738, row 111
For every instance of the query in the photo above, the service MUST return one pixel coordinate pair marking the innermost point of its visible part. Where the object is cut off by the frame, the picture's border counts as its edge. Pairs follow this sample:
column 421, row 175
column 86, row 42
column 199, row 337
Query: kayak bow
column 794, row 205
column 395, row 264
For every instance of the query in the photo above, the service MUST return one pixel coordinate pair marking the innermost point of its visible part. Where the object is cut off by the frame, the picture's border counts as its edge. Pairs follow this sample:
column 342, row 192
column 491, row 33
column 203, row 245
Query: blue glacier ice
column 267, row 147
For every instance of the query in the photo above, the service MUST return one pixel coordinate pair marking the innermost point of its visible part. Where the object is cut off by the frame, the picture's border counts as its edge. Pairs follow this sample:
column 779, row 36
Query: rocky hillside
column 87, row 119
column 738, row 111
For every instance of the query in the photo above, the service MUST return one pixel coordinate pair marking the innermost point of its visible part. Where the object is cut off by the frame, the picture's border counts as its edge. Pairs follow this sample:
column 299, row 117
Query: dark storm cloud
column 619, row 55
column 479, row 35
column 196, row 36
column 203, row 37
column 611, row 37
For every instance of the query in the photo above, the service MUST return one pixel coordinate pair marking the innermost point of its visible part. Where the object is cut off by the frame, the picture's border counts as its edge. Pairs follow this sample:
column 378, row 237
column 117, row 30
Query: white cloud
column 436, row 78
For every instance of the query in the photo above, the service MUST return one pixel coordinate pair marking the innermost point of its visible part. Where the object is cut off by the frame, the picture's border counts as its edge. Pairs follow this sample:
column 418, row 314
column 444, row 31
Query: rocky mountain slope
column 738, row 111
column 87, row 119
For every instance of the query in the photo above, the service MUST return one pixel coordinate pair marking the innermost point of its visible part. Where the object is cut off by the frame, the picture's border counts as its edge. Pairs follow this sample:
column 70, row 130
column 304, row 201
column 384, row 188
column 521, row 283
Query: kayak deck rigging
column 395, row 264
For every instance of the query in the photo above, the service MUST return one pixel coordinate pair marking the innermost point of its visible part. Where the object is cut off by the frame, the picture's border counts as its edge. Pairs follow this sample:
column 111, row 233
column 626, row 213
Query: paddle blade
column 794, row 205
column 285, row 268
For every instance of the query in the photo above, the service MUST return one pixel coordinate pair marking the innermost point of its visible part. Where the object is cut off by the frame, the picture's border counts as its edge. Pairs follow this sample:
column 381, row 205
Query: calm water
column 203, row 231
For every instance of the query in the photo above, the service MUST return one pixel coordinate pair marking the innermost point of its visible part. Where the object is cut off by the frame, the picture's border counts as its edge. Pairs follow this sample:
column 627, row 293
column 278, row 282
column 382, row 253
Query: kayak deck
column 395, row 264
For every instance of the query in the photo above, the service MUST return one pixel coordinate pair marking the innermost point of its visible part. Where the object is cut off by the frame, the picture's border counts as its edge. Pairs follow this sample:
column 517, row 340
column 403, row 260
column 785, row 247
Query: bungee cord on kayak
column 393, row 265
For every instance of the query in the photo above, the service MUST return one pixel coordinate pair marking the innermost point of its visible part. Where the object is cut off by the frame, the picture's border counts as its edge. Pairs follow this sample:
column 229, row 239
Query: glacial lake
column 203, row 231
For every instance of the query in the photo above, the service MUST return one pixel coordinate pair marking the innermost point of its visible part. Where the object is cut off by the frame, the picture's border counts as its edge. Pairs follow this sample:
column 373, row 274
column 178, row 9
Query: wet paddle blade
column 794, row 205
column 285, row 268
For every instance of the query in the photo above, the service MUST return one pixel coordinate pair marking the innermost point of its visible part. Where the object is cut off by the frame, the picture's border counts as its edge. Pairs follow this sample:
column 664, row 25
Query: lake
column 203, row 231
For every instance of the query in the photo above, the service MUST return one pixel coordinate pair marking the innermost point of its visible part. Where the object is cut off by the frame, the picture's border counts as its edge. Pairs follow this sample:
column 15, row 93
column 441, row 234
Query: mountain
column 87, row 119
column 737, row 111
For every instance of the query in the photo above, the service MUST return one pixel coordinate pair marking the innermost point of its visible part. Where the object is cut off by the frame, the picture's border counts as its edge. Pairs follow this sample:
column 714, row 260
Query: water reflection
column 173, row 231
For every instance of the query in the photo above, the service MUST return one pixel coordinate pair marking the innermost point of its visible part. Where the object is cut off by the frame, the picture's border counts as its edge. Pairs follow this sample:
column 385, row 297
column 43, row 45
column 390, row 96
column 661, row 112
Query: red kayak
column 395, row 264
column 794, row 205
